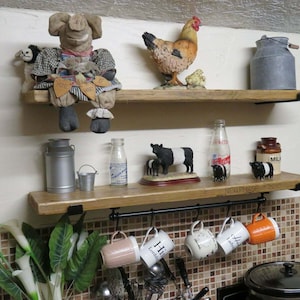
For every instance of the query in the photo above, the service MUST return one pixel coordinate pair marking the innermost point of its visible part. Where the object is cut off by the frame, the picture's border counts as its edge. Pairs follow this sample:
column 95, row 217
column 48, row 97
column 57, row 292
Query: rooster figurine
column 172, row 58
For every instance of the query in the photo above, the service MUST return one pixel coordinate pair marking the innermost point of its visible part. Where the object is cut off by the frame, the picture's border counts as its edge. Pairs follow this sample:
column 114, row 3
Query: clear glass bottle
column 219, row 150
column 118, row 163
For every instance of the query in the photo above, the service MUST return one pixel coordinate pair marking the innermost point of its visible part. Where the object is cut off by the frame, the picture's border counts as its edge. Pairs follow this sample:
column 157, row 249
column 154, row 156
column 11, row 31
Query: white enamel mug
column 200, row 243
column 156, row 248
column 233, row 233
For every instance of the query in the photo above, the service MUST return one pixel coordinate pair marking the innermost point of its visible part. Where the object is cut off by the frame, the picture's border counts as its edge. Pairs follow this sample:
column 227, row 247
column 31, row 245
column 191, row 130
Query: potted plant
column 52, row 269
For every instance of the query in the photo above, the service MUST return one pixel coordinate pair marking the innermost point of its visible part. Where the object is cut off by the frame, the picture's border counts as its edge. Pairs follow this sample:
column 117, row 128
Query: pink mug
column 122, row 252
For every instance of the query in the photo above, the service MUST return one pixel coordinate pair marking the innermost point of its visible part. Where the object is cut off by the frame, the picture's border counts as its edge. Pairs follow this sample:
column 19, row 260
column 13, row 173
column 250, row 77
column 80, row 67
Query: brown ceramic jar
column 268, row 150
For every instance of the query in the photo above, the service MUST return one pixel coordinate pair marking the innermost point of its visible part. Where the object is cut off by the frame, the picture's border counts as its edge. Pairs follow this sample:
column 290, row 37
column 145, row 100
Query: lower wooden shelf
column 104, row 197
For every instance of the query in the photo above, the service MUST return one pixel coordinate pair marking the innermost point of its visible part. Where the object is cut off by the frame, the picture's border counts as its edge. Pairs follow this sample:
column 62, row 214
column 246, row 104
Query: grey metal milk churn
column 60, row 166
column 273, row 65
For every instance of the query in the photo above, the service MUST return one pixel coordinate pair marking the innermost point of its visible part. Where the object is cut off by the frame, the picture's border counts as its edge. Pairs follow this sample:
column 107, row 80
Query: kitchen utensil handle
column 127, row 284
column 183, row 273
column 202, row 293
column 169, row 273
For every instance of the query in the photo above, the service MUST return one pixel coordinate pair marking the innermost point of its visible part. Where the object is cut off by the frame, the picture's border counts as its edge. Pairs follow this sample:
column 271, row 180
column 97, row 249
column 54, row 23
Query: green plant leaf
column 9, row 285
column 85, row 261
column 60, row 243
column 39, row 250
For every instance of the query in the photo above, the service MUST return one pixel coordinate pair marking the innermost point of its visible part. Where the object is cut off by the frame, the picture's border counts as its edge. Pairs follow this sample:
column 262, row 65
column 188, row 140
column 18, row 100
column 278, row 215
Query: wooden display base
column 169, row 179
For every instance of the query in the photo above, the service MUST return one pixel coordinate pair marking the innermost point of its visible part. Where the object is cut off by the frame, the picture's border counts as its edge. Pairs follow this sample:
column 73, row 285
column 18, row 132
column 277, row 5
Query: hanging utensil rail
column 115, row 215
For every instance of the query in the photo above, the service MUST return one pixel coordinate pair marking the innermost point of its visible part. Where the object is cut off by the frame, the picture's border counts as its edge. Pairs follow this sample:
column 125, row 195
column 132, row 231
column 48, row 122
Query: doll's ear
column 95, row 24
column 56, row 22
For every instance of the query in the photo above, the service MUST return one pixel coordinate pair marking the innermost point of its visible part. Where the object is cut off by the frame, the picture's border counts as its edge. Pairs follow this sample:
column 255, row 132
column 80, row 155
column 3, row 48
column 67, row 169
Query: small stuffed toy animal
column 75, row 72
column 28, row 55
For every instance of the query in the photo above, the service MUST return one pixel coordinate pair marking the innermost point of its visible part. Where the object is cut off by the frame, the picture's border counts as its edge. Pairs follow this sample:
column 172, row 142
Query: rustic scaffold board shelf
column 104, row 197
column 186, row 95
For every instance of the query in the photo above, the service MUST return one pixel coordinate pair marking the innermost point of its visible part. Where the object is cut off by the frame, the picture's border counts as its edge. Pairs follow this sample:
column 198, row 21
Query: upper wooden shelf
column 186, row 95
column 104, row 197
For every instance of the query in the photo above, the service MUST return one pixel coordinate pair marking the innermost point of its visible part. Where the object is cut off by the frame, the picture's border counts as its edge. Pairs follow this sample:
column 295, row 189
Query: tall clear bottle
column 219, row 152
column 118, row 163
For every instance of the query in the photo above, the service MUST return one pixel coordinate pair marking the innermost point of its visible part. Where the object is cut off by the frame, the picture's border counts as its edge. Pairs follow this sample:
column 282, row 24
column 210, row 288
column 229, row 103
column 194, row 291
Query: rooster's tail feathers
column 149, row 40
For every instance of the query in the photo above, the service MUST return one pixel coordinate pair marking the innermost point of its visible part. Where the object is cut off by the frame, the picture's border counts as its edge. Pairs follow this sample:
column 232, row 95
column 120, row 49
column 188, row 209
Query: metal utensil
column 202, row 293
column 127, row 284
column 102, row 292
column 170, row 275
column 155, row 281
column 115, row 283
column 184, row 275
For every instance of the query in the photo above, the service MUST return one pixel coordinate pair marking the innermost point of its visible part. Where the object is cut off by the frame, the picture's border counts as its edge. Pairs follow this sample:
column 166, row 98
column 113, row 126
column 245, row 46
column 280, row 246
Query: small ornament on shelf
column 172, row 58
column 219, row 159
column 262, row 170
column 165, row 158
column 75, row 72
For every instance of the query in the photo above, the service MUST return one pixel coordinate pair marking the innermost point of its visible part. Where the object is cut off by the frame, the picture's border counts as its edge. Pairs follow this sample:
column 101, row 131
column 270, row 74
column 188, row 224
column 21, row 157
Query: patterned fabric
column 52, row 61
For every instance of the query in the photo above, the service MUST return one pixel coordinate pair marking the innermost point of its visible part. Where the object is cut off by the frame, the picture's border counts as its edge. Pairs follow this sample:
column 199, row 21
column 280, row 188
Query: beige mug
column 122, row 252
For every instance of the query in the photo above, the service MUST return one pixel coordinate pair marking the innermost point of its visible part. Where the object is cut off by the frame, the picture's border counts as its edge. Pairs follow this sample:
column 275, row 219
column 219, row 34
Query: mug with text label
column 233, row 233
column 154, row 249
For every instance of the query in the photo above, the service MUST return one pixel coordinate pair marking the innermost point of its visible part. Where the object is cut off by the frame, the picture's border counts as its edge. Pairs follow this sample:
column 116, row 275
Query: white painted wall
column 224, row 55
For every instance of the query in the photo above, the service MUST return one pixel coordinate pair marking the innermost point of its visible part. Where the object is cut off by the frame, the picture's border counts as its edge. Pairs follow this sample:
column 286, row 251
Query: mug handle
column 225, row 223
column 147, row 234
column 116, row 233
column 254, row 218
column 195, row 224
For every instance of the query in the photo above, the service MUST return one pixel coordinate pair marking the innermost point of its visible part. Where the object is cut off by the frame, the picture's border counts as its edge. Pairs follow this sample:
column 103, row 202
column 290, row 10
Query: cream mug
column 200, row 243
column 122, row 252
column 156, row 248
column 233, row 233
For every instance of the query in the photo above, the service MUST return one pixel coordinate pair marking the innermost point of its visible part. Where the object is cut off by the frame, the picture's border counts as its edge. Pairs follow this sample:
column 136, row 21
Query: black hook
column 198, row 213
column 152, row 217
column 228, row 209
column 258, row 209
column 117, row 223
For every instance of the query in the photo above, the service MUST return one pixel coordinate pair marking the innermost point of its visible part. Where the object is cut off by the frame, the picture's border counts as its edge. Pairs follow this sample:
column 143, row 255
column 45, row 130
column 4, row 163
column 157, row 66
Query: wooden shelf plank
column 185, row 95
column 104, row 197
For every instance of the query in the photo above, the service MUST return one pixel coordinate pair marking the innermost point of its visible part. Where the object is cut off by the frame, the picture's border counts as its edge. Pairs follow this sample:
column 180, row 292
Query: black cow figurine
column 152, row 166
column 174, row 156
column 219, row 172
column 262, row 170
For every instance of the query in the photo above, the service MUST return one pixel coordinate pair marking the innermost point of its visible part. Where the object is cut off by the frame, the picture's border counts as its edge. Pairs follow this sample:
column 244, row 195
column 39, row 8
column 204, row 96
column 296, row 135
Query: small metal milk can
column 60, row 169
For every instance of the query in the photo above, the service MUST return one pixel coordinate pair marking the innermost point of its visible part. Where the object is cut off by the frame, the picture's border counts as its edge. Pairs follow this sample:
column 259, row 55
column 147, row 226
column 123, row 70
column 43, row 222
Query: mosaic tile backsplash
column 213, row 272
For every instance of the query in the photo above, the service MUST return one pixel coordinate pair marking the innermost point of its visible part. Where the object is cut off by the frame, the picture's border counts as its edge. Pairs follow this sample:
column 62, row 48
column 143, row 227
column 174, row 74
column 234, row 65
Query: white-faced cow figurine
column 173, row 156
column 262, row 170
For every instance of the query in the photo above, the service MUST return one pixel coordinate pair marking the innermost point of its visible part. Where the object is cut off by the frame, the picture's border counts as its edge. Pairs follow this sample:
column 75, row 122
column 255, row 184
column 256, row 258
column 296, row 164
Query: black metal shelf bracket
column 115, row 215
column 297, row 187
column 280, row 101
column 75, row 210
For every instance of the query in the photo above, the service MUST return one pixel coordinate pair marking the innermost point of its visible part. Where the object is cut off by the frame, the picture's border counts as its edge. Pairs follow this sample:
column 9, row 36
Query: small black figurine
column 219, row 172
column 262, row 170
column 152, row 166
